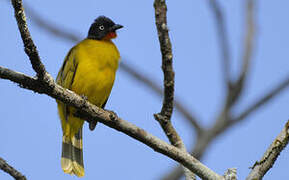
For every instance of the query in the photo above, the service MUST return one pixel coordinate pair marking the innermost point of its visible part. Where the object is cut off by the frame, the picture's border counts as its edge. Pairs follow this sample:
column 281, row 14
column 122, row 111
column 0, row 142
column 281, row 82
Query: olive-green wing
column 65, row 78
column 68, row 70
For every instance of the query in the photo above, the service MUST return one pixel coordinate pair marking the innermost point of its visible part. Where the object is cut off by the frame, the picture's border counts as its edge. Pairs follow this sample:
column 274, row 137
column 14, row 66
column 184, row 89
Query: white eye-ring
column 101, row 27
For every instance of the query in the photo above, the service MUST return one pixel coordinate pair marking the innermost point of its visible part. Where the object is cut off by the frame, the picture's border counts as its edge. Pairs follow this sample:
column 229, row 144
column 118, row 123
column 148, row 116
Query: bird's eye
column 101, row 27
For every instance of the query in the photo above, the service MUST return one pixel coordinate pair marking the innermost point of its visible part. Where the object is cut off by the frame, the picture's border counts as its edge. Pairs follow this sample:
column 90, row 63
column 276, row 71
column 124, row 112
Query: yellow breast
column 97, row 65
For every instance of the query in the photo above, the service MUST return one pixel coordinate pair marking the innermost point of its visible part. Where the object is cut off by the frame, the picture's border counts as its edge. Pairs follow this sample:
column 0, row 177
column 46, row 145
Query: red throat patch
column 110, row 35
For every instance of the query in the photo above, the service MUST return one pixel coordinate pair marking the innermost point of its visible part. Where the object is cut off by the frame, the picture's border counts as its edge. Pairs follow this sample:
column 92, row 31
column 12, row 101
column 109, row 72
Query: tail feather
column 77, row 154
column 72, row 155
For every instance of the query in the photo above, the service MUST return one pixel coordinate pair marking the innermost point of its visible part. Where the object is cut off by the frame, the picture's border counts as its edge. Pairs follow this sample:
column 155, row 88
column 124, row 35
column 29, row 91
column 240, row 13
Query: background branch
column 223, row 39
column 10, row 170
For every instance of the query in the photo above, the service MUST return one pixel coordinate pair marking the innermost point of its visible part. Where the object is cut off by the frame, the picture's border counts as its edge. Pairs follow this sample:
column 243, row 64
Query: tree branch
column 91, row 112
column 164, row 117
column 44, row 84
column 10, row 170
column 223, row 40
column 262, row 101
column 29, row 47
column 261, row 167
column 248, row 44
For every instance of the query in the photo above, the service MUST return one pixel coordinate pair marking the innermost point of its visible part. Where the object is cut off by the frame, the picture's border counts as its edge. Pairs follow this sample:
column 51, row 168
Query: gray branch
column 90, row 112
column 260, row 168
column 10, row 170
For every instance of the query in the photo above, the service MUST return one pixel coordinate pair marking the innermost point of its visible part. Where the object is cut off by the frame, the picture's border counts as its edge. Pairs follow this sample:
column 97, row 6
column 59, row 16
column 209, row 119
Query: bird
column 89, row 70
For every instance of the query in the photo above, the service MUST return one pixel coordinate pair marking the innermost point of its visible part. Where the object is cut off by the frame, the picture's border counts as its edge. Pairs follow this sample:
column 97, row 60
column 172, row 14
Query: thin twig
column 10, row 170
column 164, row 117
column 260, row 168
column 223, row 40
column 58, row 32
column 262, row 101
column 249, row 40
column 90, row 112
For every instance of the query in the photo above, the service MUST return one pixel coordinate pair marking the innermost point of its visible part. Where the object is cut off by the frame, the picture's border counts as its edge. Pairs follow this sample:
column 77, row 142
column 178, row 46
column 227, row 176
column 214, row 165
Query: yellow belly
column 97, row 62
column 96, row 70
column 93, row 83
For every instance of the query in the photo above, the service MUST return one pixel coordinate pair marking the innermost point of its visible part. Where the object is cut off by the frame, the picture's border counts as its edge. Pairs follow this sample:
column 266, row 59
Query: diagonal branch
column 10, row 170
column 29, row 47
column 260, row 168
column 262, row 101
column 59, row 32
column 90, row 112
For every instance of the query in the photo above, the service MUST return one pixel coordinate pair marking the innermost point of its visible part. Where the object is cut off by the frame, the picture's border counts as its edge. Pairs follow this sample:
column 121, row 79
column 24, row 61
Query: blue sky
column 30, row 128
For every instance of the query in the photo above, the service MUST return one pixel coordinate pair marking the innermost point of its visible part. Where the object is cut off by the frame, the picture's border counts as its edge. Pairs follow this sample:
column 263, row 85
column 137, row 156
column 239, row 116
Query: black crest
column 101, row 26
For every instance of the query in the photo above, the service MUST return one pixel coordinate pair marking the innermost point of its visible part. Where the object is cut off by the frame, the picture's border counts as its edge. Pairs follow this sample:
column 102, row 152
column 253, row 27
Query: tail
column 72, row 156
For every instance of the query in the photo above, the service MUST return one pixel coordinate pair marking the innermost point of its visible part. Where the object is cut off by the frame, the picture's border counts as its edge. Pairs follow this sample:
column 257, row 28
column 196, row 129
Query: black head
column 101, row 27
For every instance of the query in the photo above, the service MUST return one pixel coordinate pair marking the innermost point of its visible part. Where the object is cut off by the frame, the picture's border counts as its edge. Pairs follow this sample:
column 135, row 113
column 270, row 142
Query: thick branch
column 10, row 170
column 93, row 113
column 261, row 167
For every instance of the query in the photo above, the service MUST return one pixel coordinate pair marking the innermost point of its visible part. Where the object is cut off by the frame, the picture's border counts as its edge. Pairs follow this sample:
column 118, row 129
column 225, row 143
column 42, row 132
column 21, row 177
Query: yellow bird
column 89, row 70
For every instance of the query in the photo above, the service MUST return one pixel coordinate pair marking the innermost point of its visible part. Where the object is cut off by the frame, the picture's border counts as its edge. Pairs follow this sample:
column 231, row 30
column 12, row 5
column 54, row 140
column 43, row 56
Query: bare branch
column 248, row 44
column 29, row 46
column 231, row 174
column 261, row 167
column 262, row 101
column 91, row 112
column 164, row 117
column 167, row 59
column 237, row 87
column 10, row 170
column 223, row 40
column 58, row 32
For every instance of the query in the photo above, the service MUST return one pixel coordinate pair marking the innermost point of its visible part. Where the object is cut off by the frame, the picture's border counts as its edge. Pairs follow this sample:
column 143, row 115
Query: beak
column 115, row 27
